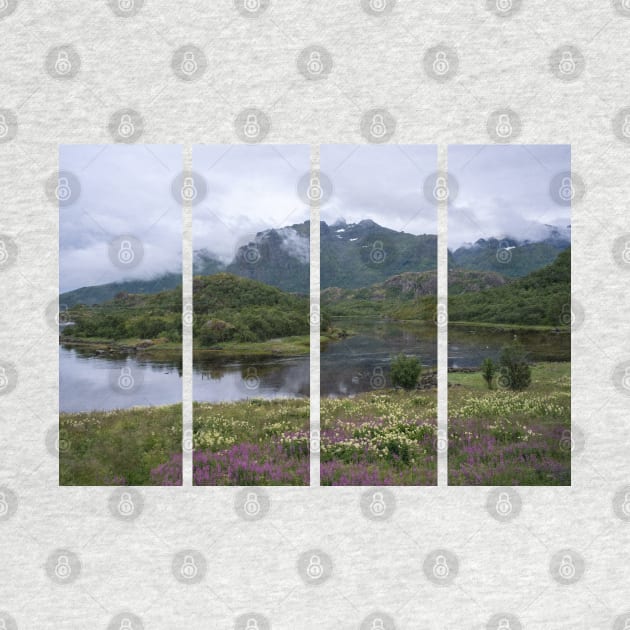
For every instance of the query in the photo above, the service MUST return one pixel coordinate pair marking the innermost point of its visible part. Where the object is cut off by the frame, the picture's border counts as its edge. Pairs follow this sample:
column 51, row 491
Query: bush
column 488, row 370
column 515, row 371
column 405, row 371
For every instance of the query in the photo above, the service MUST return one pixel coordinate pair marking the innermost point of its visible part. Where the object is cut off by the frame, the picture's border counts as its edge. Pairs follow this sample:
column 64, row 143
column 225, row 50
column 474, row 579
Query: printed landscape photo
column 251, row 327
column 378, row 256
column 120, row 305
column 509, row 309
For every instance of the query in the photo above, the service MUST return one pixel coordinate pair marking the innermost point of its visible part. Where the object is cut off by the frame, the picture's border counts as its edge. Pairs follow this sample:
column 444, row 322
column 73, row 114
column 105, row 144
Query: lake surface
column 361, row 362
column 220, row 379
column 468, row 346
column 90, row 382
column 358, row 363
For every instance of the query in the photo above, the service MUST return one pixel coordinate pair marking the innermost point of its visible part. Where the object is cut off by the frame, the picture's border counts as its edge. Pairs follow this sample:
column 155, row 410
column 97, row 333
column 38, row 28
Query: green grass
column 218, row 426
column 393, row 404
column 503, row 437
column 385, row 437
column 547, row 378
column 285, row 346
column 159, row 347
column 121, row 446
column 500, row 326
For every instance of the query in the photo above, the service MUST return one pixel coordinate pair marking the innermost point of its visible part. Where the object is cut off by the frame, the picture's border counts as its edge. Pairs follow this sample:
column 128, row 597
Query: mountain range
column 352, row 256
column 509, row 256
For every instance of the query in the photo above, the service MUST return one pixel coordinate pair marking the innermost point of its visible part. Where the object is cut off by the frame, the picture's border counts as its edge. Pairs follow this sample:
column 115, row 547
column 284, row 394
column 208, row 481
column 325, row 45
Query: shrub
column 515, row 371
column 488, row 370
column 405, row 371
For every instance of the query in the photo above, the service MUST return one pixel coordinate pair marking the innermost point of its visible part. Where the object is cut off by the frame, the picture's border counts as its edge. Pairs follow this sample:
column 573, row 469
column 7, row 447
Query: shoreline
column 284, row 347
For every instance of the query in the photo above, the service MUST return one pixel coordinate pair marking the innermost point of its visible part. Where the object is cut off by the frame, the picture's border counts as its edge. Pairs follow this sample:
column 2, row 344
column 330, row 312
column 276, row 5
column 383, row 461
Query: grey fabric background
column 124, row 569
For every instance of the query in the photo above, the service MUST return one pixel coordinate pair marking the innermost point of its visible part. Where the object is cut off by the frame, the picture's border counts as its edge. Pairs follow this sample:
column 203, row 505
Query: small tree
column 405, row 371
column 488, row 370
column 515, row 371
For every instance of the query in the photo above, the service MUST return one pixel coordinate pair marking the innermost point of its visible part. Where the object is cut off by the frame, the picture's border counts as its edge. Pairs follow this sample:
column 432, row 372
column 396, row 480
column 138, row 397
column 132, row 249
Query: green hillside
column 362, row 254
column 105, row 292
column 542, row 298
column 128, row 316
column 520, row 259
column 229, row 308
column 408, row 296
column 230, row 312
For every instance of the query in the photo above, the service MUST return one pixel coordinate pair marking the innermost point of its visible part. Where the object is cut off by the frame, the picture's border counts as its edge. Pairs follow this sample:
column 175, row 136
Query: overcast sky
column 380, row 182
column 125, row 189
column 504, row 191
column 251, row 188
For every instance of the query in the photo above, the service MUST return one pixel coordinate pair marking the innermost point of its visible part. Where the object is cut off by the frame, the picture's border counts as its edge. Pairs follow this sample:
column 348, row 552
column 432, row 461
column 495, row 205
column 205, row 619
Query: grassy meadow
column 119, row 447
column 504, row 437
column 386, row 437
column 252, row 442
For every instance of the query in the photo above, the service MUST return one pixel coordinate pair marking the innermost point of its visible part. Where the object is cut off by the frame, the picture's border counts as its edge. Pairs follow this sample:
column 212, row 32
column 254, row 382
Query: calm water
column 90, row 382
column 362, row 361
column 469, row 346
column 227, row 380
column 358, row 363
